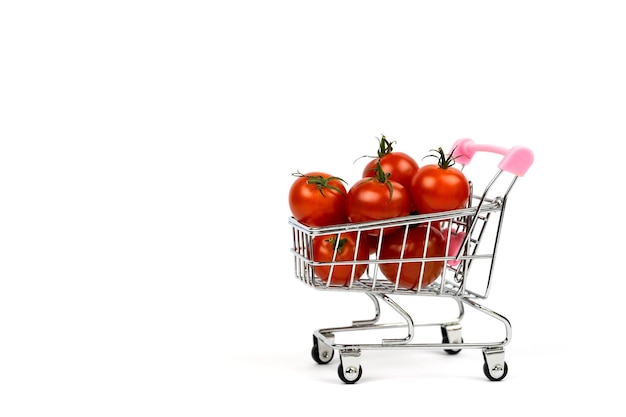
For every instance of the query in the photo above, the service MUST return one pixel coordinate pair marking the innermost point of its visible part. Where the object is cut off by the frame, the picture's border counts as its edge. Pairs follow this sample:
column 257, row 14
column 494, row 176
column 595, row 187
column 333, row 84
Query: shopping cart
column 471, row 237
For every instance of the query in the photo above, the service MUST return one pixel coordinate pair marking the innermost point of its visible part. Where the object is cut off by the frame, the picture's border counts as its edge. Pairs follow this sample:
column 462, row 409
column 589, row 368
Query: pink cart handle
column 516, row 160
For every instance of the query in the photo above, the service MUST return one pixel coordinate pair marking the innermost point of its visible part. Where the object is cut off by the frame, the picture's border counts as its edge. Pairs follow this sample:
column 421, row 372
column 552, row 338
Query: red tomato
column 436, row 225
column 377, row 198
column 400, row 166
column 318, row 199
column 414, row 248
column 324, row 250
column 439, row 187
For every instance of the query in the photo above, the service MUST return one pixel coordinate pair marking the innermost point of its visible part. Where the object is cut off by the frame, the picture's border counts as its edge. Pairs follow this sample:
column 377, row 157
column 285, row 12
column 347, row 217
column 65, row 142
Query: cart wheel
column 456, row 332
column 321, row 352
column 350, row 375
column 451, row 351
column 500, row 372
column 323, row 357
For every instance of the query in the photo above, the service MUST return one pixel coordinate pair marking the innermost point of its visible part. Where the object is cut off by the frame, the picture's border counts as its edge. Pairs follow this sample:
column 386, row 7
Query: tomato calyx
column 320, row 182
column 444, row 161
column 382, row 177
column 337, row 244
column 386, row 147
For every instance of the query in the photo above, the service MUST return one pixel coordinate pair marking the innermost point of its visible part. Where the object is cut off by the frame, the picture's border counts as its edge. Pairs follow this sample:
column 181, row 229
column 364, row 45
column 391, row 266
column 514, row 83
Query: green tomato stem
column 320, row 182
column 444, row 161
column 385, row 147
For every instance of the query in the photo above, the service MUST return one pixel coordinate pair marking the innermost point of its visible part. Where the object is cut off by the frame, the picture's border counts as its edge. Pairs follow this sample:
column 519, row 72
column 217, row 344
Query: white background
column 146, row 152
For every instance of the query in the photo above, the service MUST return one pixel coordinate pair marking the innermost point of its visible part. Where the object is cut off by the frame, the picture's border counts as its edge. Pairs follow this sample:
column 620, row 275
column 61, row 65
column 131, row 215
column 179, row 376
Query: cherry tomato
column 400, row 166
column 414, row 248
column 439, row 187
column 318, row 199
column 346, row 247
column 377, row 198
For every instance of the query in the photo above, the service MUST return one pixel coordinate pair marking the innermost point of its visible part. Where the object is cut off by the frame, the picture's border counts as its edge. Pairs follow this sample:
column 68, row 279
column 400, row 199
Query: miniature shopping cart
column 471, row 237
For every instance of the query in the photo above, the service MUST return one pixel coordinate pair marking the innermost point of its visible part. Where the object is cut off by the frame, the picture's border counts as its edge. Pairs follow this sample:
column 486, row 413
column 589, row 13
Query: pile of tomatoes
column 393, row 185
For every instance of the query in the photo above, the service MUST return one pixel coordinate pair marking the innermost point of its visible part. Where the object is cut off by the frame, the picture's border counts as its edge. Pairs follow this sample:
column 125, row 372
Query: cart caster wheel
column 350, row 375
column 322, row 357
column 449, row 333
column 321, row 352
column 495, row 368
column 349, row 369
column 497, row 373
column 452, row 351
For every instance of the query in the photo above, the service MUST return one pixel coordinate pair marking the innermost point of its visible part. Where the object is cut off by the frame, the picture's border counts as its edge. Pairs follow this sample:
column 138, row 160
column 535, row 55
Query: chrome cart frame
column 472, row 236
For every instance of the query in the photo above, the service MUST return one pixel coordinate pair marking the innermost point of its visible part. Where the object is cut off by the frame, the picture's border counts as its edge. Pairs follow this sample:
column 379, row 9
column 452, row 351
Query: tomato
column 400, row 166
column 415, row 241
column 318, row 199
column 439, row 187
column 377, row 198
column 347, row 250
